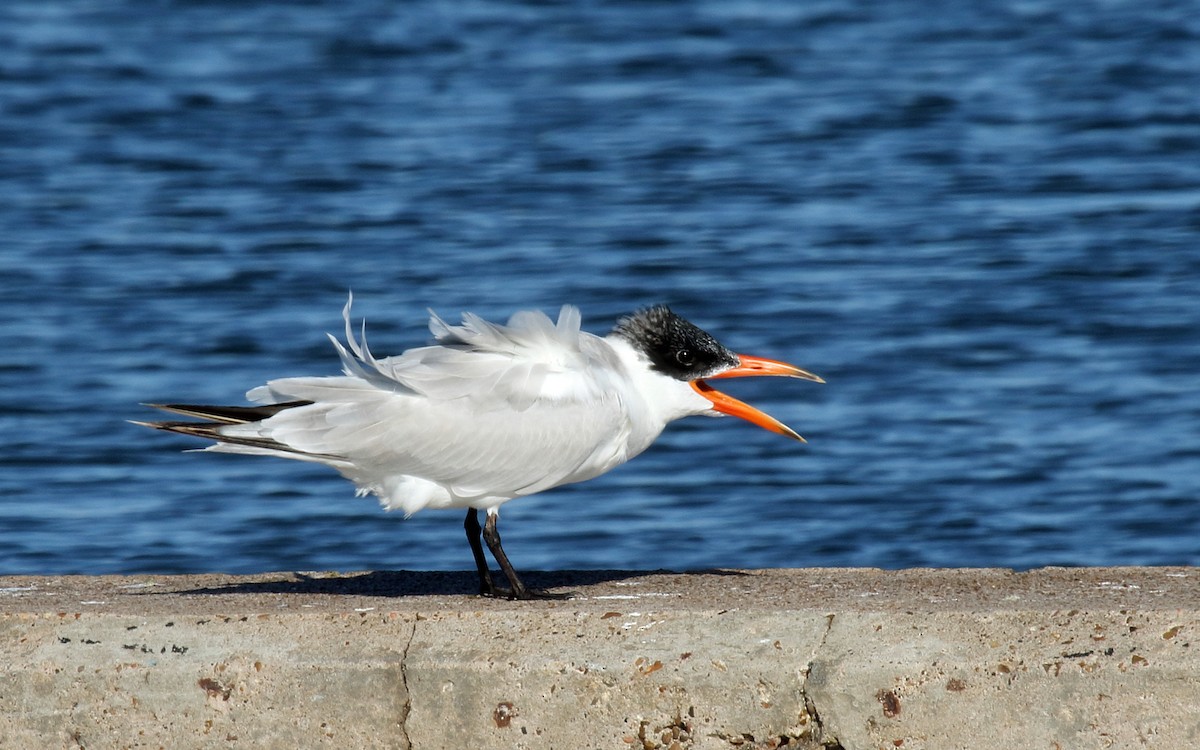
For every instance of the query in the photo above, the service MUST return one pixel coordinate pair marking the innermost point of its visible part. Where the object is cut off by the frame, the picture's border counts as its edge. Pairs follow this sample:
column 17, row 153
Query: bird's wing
column 488, row 410
column 500, row 453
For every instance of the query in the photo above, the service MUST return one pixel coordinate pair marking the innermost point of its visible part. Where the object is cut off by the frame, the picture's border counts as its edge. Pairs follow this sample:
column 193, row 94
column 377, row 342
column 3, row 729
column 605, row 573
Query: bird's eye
column 685, row 357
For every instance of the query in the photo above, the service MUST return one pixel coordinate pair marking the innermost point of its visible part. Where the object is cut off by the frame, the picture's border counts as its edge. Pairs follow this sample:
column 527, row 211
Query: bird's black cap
column 674, row 346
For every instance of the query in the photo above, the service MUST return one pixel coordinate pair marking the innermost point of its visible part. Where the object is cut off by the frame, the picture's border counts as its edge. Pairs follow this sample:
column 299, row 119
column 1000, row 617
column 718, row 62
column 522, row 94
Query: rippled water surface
column 979, row 222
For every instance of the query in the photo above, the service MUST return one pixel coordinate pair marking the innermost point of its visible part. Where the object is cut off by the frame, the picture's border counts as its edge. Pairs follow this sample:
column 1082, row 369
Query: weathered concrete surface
column 1052, row 658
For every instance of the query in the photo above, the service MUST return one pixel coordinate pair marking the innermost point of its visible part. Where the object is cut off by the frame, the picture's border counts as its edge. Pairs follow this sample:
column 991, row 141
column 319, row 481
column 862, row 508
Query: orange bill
column 761, row 366
column 748, row 366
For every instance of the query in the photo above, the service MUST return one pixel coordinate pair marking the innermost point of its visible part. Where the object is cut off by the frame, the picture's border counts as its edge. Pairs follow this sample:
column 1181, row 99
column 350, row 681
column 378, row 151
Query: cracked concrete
column 405, row 742
column 800, row 659
column 818, row 735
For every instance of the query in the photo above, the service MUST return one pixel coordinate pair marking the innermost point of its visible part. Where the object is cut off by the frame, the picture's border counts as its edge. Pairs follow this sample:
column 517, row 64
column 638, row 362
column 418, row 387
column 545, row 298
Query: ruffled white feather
column 487, row 413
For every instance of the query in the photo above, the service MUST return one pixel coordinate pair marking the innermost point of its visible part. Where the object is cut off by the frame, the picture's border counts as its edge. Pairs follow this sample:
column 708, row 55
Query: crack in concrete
column 810, row 707
column 404, row 683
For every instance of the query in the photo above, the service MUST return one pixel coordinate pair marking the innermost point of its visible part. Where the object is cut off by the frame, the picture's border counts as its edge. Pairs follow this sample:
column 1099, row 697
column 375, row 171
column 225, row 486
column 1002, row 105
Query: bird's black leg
column 519, row 591
column 486, row 587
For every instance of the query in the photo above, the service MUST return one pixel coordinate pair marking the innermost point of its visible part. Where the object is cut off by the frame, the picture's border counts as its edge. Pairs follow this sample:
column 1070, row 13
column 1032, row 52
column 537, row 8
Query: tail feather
column 220, row 417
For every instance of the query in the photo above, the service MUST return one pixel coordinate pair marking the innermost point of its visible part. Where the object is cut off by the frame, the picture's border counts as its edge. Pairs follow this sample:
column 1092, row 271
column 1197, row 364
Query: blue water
column 979, row 221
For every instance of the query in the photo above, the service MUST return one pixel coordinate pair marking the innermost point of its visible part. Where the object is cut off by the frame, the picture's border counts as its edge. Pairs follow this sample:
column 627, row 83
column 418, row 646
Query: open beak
column 748, row 366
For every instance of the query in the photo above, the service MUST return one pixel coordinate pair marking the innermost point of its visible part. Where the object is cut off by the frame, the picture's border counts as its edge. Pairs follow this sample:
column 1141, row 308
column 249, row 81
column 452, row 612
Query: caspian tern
column 489, row 412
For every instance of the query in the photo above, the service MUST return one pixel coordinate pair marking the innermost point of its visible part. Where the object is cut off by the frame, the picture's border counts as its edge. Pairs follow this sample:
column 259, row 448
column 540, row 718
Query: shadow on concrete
column 425, row 583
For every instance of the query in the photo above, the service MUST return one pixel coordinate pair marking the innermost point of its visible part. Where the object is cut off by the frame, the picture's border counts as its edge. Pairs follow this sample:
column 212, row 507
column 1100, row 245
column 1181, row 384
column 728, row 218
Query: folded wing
column 488, row 411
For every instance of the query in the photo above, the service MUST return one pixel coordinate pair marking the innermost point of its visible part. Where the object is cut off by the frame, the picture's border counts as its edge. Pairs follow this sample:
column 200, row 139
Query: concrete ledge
column 1051, row 658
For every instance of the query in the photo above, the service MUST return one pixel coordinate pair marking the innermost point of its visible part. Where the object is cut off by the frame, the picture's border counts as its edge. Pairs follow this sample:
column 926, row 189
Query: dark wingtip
column 228, row 414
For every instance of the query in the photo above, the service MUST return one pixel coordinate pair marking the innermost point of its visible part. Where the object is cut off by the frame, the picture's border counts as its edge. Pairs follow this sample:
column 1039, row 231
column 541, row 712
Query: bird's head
column 683, row 351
